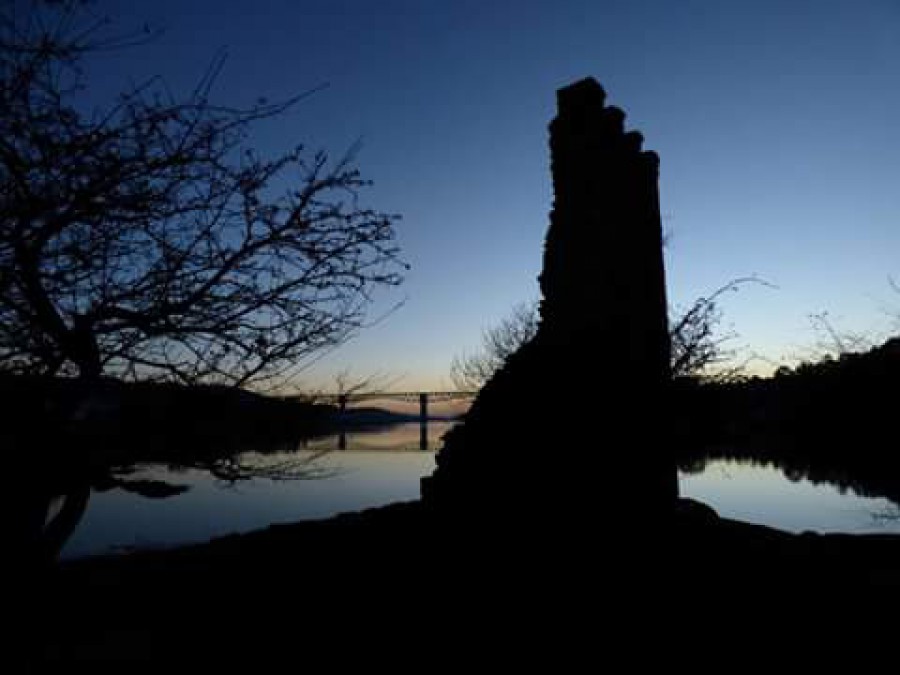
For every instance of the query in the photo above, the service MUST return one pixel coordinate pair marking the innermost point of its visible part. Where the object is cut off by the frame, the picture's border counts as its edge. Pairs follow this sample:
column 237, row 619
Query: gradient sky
column 777, row 124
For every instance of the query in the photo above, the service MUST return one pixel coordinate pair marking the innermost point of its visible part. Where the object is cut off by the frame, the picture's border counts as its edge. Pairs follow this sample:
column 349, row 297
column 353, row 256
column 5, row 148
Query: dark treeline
column 110, row 406
column 832, row 421
column 65, row 429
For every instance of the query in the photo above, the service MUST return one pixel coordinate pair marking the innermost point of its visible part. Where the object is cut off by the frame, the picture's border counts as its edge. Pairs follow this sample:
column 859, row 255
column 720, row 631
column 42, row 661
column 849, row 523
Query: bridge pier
column 423, row 421
column 342, row 407
column 423, row 407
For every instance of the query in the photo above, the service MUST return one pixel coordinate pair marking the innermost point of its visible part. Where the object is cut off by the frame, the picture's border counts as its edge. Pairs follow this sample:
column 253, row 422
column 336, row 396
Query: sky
column 777, row 124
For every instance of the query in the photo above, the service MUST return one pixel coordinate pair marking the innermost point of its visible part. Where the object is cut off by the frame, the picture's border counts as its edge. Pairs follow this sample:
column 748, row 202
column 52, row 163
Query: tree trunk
column 84, row 351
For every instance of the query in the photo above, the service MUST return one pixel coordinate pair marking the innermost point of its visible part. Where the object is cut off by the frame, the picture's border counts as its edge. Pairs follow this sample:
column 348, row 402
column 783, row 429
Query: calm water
column 763, row 494
column 384, row 466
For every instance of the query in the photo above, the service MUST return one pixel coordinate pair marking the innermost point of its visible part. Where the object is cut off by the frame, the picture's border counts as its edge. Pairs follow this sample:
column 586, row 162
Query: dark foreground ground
column 400, row 584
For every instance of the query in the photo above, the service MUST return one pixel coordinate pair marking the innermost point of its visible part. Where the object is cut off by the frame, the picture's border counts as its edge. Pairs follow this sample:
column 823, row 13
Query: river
column 384, row 465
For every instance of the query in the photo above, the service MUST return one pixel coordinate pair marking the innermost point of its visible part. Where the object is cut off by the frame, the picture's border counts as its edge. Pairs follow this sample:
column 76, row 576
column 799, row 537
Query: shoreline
column 405, row 562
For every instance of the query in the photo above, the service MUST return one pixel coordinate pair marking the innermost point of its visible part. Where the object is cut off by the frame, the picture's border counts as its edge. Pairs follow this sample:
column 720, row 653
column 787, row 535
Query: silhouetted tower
column 576, row 419
column 603, row 266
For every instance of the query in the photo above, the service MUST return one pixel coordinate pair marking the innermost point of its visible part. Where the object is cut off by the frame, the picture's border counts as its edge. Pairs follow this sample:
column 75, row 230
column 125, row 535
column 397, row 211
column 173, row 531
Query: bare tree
column 347, row 385
column 146, row 241
column 699, row 346
column 469, row 372
column 895, row 312
column 834, row 343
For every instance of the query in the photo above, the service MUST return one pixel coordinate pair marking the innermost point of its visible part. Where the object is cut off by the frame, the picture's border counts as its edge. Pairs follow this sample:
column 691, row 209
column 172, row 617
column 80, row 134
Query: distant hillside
column 144, row 413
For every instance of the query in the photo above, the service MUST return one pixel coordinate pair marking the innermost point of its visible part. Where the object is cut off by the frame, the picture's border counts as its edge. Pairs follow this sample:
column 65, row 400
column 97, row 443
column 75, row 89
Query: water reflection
column 399, row 437
column 61, row 472
column 796, row 487
column 760, row 493
column 203, row 494
column 358, row 479
column 819, row 466
column 83, row 509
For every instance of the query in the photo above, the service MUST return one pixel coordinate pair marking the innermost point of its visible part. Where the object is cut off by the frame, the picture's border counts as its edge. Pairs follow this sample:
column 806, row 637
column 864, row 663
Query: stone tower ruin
column 575, row 420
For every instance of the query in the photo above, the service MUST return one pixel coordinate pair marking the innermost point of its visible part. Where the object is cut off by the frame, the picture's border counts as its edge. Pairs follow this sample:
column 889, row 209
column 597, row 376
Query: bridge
column 424, row 399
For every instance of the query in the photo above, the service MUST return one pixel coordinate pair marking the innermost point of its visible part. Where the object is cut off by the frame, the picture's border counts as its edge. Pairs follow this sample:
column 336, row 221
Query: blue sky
column 777, row 123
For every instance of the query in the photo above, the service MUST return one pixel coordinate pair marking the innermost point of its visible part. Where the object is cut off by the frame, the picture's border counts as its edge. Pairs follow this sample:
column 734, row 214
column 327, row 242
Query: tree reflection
column 248, row 466
column 60, row 471
column 799, row 463
column 890, row 514
column 44, row 530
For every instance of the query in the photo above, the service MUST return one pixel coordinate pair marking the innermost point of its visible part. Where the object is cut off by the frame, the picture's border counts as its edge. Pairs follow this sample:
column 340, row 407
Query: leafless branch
column 699, row 346
column 146, row 241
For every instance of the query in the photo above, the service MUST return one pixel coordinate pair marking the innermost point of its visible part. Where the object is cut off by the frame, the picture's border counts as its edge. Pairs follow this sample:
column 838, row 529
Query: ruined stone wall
column 603, row 268
column 575, row 420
